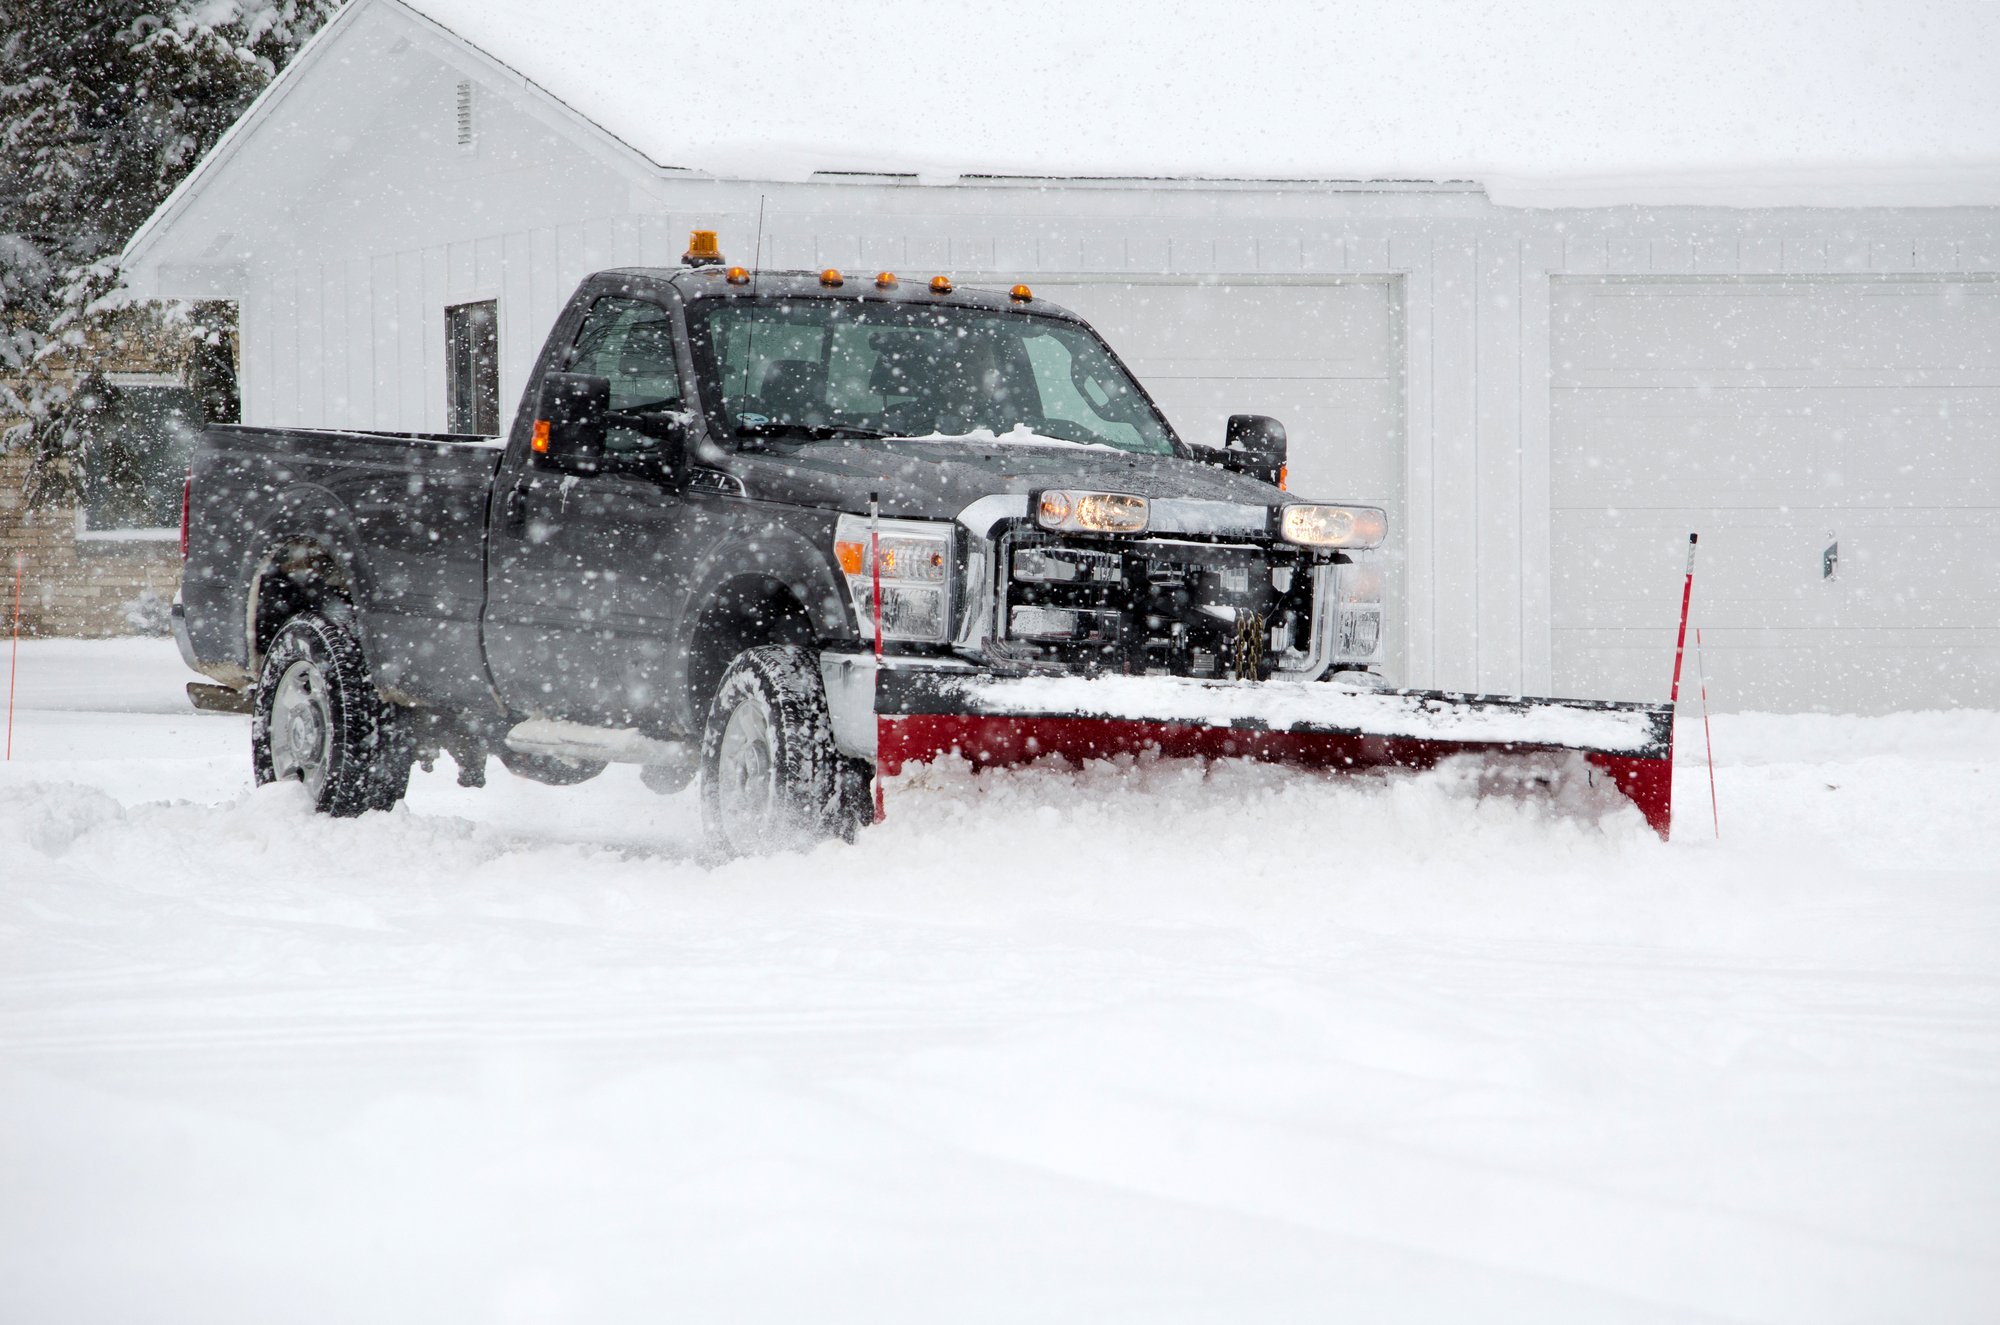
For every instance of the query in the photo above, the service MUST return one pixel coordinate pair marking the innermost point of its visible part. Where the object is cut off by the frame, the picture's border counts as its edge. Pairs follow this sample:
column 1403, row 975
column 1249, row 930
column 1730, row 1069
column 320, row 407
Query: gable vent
column 467, row 131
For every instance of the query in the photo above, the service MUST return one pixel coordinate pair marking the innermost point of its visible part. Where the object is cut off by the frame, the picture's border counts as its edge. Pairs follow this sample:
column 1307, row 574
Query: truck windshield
column 826, row 368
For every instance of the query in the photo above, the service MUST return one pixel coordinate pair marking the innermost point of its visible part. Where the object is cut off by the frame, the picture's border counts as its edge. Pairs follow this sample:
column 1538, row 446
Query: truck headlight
column 916, row 576
column 1092, row 512
column 1334, row 526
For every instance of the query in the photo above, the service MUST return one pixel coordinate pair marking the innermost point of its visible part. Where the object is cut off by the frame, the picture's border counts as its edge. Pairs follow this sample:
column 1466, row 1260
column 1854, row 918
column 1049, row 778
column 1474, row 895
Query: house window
column 140, row 432
column 472, row 368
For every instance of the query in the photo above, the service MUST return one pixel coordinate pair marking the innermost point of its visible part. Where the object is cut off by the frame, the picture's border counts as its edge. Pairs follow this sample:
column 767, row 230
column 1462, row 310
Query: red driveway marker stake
column 1708, row 742
column 1680, row 642
column 14, row 662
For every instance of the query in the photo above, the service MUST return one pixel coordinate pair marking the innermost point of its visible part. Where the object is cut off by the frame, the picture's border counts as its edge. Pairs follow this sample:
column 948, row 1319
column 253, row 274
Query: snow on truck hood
column 1019, row 435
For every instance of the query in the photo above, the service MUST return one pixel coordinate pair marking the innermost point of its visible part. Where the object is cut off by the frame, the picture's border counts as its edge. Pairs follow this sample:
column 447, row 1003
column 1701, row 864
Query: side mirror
column 1255, row 446
column 570, row 422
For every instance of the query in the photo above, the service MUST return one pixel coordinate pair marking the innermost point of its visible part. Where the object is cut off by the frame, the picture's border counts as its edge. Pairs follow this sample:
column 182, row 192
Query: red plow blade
column 922, row 715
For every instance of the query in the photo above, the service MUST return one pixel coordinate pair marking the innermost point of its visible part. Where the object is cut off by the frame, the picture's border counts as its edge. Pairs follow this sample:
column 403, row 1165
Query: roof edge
column 238, row 133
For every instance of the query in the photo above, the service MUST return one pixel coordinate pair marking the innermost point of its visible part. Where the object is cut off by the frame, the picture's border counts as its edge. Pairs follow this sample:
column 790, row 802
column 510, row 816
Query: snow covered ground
column 1140, row 1044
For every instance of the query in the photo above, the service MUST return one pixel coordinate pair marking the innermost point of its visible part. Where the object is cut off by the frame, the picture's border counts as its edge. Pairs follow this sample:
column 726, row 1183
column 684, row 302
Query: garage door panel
column 1755, row 569
column 1661, row 447
column 1840, row 671
column 1921, row 570
column 1656, row 448
column 1809, row 327
column 1777, row 418
column 1339, row 329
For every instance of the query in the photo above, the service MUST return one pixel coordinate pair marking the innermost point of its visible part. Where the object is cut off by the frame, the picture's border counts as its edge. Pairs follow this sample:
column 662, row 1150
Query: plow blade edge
column 921, row 716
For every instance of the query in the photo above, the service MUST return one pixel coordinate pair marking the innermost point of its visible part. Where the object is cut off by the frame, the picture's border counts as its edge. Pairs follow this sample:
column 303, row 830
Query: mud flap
column 992, row 721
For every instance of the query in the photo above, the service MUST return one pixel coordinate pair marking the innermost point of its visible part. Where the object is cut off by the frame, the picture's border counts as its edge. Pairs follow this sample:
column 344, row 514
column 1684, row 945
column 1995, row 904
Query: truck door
column 581, row 571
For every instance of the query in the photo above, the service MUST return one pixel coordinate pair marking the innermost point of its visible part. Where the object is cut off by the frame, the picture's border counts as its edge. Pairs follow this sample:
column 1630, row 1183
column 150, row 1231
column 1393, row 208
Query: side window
column 472, row 368
column 631, row 342
column 1071, row 391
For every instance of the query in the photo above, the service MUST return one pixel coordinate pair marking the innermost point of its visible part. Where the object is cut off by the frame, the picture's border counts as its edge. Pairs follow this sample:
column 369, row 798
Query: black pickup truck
column 717, row 488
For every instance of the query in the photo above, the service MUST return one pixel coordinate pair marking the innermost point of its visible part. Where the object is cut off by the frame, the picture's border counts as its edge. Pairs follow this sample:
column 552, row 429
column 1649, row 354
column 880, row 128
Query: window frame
column 133, row 533
column 472, row 299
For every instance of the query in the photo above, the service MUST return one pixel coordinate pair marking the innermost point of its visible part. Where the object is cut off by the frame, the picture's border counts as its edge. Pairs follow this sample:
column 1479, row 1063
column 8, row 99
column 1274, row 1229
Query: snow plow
column 1533, row 744
column 988, row 721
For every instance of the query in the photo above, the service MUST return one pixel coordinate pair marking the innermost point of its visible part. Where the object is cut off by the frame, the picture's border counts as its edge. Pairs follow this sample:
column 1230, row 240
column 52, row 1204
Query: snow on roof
column 1546, row 102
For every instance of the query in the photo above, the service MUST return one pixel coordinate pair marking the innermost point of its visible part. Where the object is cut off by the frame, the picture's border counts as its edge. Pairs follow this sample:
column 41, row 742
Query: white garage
column 1836, row 442
column 1548, row 380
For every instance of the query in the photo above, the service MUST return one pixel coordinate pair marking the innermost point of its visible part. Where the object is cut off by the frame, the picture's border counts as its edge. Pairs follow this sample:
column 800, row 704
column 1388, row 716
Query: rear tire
column 318, row 720
column 771, row 779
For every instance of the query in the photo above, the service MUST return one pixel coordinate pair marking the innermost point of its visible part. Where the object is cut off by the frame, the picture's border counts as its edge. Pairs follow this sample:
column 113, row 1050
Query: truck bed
column 402, row 516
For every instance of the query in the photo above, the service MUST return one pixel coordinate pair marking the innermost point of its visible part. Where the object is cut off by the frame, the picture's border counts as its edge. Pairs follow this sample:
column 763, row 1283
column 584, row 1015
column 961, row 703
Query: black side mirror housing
column 1255, row 446
column 570, row 422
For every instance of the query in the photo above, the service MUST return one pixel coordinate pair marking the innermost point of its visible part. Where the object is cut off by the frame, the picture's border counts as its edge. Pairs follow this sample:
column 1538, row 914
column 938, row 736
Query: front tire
column 318, row 720
column 771, row 778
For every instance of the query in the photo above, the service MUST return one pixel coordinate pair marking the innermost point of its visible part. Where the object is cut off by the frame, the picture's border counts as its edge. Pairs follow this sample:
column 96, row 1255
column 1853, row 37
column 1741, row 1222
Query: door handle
column 1829, row 560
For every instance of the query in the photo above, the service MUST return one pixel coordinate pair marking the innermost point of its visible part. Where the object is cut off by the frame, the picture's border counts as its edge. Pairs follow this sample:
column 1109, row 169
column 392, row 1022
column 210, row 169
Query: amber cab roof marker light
column 831, row 278
column 703, row 251
column 885, row 280
column 940, row 285
column 738, row 276
column 1020, row 294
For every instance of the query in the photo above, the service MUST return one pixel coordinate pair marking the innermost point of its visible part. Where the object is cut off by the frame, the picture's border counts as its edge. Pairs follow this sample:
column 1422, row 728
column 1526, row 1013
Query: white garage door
column 1322, row 357
column 1836, row 443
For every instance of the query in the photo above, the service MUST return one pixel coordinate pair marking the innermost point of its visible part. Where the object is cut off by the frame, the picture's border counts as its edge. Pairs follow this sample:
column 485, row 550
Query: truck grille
column 1155, row 606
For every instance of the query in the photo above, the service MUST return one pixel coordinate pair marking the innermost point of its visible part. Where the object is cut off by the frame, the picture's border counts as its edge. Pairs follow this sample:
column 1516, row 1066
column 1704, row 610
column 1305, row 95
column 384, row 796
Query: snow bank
column 1140, row 1042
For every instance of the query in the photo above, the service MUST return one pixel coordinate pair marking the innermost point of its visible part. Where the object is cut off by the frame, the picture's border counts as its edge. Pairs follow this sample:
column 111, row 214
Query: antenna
column 757, row 257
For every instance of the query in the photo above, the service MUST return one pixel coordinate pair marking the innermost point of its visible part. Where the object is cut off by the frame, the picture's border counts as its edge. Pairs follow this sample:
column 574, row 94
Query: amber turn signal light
column 539, row 443
column 940, row 285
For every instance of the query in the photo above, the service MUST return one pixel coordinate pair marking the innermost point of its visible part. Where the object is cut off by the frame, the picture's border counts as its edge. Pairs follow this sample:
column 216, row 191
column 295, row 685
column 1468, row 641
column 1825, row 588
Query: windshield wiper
column 812, row 432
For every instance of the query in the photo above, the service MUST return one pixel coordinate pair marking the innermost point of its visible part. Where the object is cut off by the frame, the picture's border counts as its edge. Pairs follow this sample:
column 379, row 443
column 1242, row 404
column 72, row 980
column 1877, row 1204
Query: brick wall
column 80, row 587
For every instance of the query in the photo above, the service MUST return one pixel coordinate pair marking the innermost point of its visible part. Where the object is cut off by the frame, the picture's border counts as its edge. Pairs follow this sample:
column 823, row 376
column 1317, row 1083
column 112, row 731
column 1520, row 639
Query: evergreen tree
column 104, row 106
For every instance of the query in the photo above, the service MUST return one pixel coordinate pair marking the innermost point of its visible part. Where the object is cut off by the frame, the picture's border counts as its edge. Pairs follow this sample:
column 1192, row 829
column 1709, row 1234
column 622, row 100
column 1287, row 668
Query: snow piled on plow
column 1142, row 1041
column 1314, row 707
